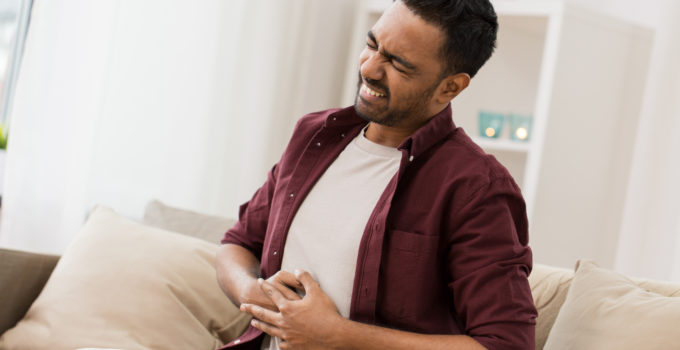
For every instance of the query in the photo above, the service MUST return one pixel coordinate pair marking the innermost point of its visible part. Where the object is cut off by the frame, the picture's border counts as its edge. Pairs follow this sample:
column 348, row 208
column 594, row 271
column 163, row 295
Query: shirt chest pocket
column 410, row 276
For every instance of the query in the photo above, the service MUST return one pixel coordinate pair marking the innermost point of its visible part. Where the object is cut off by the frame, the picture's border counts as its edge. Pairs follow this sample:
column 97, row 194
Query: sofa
column 151, row 285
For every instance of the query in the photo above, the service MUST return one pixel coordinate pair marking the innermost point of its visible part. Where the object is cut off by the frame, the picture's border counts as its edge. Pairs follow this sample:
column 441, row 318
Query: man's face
column 400, row 70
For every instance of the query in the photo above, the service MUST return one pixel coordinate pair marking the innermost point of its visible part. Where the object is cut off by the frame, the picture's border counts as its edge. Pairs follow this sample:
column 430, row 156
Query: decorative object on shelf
column 490, row 124
column 520, row 127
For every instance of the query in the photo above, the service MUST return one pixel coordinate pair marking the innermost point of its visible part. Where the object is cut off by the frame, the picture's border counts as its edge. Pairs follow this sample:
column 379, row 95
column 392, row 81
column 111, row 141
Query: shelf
column 502, row 145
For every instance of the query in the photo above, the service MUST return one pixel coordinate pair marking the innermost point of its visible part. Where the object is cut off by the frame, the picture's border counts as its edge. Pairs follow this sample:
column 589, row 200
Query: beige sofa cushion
column 124, row 285
column 206, row 227
column 606, row 310
column 549, row 287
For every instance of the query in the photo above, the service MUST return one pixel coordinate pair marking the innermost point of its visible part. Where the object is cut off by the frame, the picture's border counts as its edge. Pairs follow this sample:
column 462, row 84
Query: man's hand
column 237, row 270
column 301, row 323
column 283, row 281
column 313, row 322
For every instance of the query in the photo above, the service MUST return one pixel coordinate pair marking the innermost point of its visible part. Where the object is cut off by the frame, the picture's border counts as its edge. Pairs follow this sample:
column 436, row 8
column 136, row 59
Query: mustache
column 372, row 83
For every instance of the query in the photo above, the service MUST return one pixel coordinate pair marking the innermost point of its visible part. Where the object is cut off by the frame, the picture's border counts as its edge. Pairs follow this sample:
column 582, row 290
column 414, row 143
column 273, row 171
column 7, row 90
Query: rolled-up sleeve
column 489, row 262
column 251, row 227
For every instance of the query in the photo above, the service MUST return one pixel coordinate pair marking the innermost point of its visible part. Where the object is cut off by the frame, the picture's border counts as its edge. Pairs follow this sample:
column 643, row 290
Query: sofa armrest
column 22, row 276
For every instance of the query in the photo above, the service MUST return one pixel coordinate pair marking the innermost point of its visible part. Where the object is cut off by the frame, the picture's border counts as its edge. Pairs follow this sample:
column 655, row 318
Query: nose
column 371, row 65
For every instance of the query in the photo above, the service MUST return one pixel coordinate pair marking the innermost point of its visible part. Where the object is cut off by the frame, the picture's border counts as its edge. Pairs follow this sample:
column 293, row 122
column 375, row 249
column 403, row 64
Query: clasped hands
column 307, row 322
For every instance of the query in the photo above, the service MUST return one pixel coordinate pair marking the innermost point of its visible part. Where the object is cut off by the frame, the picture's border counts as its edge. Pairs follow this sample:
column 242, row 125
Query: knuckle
column 280, row 322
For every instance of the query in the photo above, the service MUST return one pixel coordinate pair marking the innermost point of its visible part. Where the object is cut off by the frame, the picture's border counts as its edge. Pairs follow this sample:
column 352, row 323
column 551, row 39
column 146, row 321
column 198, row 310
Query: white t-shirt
column 325, row 234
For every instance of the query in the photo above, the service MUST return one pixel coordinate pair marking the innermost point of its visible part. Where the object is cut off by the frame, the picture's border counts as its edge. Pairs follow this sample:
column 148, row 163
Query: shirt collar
column 436, row 129
column 343, row 117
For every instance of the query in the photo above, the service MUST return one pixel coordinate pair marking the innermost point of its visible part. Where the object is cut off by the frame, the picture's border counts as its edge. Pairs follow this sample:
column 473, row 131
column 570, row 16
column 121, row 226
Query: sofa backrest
column 22, row 276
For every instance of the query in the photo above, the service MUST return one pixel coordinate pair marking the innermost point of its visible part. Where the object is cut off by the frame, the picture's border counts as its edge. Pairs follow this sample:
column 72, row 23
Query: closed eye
column 372, row 44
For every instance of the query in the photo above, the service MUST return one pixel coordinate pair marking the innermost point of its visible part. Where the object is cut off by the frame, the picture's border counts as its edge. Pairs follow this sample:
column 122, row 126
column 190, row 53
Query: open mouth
column 371, row 92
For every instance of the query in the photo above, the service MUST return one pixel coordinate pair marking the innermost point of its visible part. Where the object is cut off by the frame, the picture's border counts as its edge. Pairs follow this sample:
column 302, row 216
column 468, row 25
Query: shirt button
column 291, row 195
column 342, row 135
column 334, row 118
column 410, row 159
column 237, row 341
column 275, row 252
column 318, row 144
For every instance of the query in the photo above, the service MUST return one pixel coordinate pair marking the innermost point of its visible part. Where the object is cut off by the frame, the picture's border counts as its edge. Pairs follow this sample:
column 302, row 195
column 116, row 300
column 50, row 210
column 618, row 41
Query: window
column 14, row 18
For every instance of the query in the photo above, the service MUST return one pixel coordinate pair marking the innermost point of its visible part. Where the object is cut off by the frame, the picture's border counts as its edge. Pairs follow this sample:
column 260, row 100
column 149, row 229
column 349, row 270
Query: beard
column 412, row 106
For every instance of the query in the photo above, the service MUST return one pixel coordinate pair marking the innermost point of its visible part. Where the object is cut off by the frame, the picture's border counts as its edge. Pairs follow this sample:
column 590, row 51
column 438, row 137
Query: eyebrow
column 385, row 53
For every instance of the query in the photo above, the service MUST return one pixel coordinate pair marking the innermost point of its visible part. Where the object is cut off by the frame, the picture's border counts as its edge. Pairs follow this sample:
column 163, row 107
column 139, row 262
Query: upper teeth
column 371, row 92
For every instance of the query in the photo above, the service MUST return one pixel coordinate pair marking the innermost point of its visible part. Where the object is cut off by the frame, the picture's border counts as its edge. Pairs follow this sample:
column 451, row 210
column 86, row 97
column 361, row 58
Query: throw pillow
column 124, row 285
column 606, row 310
column 206, row 227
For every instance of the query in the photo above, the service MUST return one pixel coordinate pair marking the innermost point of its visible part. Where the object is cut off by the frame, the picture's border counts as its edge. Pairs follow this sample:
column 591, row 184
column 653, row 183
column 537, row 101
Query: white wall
column 649, row 240
column 188, row 102
column 594, row 112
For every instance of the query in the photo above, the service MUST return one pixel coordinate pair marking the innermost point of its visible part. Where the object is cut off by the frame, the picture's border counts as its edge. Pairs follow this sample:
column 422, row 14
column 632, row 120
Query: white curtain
column 190, row 102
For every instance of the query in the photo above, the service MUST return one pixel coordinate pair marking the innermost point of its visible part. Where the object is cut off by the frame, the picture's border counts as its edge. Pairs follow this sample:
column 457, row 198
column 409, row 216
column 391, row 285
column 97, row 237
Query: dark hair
column 470, row 28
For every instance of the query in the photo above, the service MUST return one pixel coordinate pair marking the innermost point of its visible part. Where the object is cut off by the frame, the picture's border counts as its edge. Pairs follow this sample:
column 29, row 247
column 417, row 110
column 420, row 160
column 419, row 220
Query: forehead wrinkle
column 401, row 32
column 387, row 53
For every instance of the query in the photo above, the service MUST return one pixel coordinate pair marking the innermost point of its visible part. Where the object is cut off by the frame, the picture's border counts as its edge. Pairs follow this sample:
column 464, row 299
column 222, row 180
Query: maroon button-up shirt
column 445, row 249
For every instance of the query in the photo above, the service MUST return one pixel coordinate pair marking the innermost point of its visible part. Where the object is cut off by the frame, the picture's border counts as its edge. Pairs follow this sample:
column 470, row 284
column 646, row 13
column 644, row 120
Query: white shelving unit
column 539, row 43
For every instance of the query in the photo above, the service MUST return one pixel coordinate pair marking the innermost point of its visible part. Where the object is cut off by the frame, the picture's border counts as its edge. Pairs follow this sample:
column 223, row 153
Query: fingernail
column 260, row 280
column 297, row 271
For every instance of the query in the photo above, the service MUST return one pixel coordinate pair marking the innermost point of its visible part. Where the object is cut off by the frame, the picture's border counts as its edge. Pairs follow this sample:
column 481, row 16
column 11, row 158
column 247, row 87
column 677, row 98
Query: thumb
column 308, row 282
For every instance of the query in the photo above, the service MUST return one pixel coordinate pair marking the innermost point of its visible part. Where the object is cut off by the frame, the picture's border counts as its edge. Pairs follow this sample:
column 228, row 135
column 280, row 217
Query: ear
column 451, row 86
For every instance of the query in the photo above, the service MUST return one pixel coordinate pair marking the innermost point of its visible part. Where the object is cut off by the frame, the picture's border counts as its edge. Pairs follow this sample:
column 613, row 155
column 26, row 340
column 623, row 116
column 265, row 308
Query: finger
column 261, row 313
column 287, row 292
column 273, row 293
column 288, row 279
column 267, row 328
column 281, row 280
column 308, row 282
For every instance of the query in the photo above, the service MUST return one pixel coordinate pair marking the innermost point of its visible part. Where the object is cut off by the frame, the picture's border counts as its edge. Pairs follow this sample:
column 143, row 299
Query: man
column 383, row 225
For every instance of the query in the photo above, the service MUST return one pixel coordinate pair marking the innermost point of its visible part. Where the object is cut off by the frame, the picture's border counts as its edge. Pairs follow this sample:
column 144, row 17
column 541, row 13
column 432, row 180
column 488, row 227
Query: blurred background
column 120, row 102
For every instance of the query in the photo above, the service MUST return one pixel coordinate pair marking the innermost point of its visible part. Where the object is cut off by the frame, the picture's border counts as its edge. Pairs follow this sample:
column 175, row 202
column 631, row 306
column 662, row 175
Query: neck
column 393, row 136
column 388, row 136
